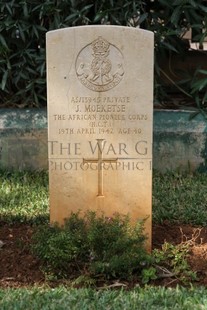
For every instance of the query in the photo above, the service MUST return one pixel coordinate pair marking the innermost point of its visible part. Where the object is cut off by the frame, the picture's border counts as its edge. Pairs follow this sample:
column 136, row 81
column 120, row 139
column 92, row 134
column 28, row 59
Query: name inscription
column 97, row 115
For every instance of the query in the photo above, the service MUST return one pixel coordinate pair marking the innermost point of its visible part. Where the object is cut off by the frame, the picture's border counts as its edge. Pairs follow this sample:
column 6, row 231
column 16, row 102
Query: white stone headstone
column 100, row 102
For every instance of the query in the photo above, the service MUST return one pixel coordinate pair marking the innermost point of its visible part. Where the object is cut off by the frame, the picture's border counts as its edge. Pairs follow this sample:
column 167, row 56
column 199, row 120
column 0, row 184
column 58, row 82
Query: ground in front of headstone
column 19, row 268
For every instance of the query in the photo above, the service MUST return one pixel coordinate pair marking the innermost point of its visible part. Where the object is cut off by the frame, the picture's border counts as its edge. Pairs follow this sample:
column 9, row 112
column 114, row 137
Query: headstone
column 100, row 93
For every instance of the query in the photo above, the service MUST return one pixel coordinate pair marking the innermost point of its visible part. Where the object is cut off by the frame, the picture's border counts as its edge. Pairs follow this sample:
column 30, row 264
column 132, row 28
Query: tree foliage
column 23, row 25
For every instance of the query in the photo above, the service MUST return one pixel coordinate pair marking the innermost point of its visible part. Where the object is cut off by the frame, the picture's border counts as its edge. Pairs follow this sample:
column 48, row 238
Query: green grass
column 148, row 298
column 24, row 196
column 180, row 198
column 176, row 198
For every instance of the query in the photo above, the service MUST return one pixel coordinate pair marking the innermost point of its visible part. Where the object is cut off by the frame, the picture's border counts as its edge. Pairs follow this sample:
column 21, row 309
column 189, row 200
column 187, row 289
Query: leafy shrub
column 116, row 247
column 60, row 248
column 109, row 247
column 23, row 25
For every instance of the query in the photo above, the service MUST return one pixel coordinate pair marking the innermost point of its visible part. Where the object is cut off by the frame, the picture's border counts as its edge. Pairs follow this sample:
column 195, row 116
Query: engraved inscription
column 97, row 115
column 99, row 65
column 105, row 108
column 103, row 100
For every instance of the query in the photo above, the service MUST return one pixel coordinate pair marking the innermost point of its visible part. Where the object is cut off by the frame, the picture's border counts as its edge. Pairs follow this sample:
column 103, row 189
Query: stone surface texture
column 100, row 108
column 180, row 141
column 23, row 139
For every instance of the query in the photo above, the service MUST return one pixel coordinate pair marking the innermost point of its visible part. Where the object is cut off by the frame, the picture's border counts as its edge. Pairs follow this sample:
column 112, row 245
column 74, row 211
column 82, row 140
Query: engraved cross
column 100, row 160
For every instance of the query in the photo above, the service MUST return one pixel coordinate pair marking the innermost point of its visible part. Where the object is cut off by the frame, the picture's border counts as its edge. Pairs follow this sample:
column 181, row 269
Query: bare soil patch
column 19, row 268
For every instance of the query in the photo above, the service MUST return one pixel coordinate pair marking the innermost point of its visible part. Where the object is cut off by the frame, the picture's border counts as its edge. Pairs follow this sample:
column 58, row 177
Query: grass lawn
column 176, row 199
column 61, row 298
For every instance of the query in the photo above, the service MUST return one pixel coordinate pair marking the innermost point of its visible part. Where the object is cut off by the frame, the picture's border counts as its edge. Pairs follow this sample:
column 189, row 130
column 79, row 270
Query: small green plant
column 171, row 261
column 149, row 274
column 95, row 246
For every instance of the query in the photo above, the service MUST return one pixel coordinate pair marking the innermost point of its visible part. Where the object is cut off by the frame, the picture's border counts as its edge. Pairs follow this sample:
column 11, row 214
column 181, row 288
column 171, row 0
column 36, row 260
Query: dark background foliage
column 23, row 25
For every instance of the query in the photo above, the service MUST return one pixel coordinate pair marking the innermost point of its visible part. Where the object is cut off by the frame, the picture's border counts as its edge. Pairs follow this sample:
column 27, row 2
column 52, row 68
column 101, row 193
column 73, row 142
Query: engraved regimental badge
column 99, row 65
